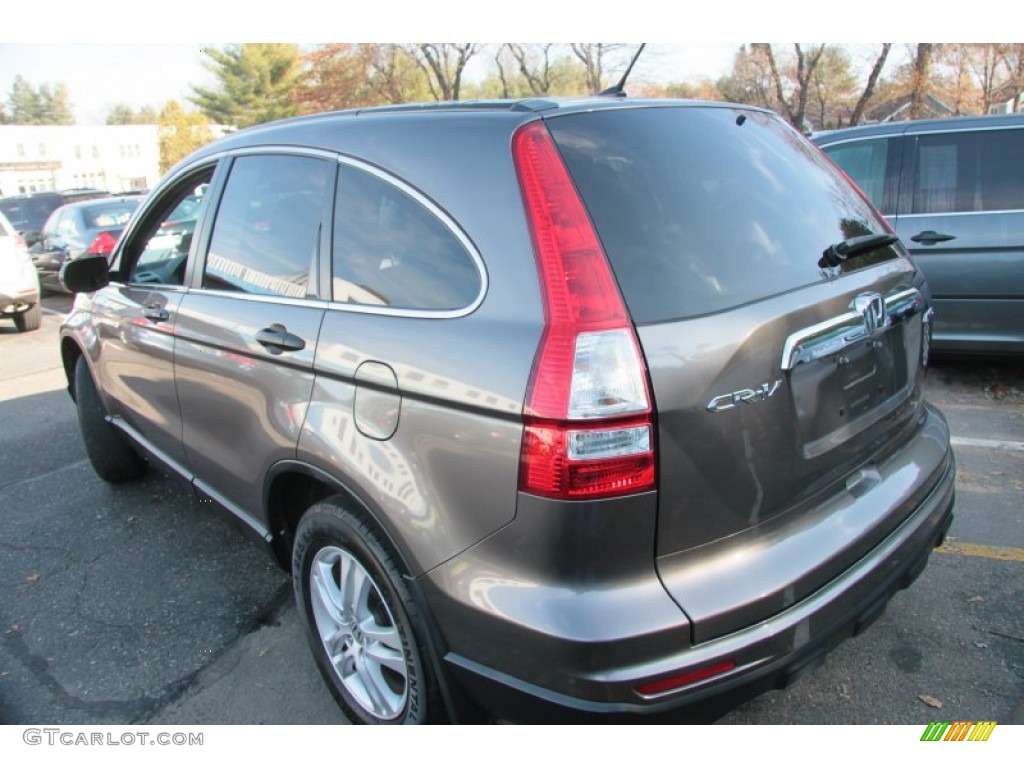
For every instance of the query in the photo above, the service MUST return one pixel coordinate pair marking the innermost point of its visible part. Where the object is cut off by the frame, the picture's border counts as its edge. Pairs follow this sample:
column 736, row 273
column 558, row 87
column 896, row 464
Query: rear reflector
column 681, row 681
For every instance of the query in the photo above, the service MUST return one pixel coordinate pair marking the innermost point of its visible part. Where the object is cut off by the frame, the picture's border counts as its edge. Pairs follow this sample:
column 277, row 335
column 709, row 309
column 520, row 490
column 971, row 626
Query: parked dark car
column 953, row 190
column 73, row 230
column 555, row 409
column 27, row 213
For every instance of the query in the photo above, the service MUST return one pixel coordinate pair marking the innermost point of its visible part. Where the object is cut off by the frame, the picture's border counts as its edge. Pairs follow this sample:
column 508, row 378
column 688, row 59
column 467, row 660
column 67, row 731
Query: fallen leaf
column 931, row 701
column 981, row 645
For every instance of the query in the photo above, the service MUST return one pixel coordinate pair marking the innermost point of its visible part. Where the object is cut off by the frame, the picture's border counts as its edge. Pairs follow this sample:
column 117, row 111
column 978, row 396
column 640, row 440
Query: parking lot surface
column 137, row 605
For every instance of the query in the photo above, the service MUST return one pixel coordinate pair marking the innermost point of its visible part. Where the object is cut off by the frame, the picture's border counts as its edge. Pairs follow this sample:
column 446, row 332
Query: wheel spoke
column 385, row 635
column 387, row 657
column 355, row 586
column 383, row 700
column 327, row 594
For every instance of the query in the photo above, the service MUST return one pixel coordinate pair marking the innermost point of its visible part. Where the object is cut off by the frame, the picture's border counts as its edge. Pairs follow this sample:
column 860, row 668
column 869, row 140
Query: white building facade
column 116, row 158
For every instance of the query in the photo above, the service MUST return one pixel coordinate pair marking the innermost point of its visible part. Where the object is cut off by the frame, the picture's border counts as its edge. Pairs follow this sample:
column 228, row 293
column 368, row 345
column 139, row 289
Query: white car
column 19, row 281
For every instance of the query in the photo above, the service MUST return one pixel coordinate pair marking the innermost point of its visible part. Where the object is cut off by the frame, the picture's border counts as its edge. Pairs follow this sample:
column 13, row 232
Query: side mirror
column 85, row 275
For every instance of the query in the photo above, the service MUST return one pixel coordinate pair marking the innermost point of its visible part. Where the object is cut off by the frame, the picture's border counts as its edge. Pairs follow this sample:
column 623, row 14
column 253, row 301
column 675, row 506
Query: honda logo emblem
column 871, row 306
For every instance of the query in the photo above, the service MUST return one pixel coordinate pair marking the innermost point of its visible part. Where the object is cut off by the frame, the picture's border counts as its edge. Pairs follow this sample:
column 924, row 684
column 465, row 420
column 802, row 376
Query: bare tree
column 794, row 109
column 869, row 88
column 919, row 80
column 443, row 64
column 750, row 81
column 534, row 62
column 594, row 57
column 1014, row 58
column 394, row 75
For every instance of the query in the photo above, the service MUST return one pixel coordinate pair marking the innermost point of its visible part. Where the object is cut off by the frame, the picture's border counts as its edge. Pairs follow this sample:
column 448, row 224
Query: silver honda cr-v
column 554, row 409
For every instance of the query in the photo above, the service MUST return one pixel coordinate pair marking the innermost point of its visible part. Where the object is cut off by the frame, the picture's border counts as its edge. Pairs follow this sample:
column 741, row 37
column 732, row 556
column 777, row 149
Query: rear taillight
column 103, row 244
column 588, row 424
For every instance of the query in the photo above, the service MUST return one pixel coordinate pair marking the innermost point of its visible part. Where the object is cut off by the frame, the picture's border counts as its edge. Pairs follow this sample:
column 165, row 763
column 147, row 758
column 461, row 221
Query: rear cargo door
column 775, row 380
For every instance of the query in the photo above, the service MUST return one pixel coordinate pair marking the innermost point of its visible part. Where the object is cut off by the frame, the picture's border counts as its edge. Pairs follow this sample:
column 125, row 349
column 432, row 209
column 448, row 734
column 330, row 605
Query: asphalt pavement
column 135, row 605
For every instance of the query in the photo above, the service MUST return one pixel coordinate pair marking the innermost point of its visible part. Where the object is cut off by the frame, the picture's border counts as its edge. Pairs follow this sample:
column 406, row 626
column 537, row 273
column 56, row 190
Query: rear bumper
column 574, row 671
column 16, row 302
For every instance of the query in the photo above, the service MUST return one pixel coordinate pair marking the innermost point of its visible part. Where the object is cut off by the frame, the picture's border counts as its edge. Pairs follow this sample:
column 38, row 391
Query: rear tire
column 29, row 320
column 361, row 620
column 112, row 457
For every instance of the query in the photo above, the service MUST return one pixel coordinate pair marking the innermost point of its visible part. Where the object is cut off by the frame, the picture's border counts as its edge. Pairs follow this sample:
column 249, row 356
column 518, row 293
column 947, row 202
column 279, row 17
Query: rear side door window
column 969, row 172
column 266, row 234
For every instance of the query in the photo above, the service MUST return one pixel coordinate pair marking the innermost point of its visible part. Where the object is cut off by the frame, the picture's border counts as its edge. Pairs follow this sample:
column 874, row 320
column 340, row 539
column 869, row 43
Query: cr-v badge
column 731, row 400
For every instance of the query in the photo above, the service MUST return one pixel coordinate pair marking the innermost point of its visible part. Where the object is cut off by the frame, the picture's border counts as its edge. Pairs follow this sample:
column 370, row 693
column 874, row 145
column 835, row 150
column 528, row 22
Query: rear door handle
column 156, row 314
column 930, row 237
column 277, row 340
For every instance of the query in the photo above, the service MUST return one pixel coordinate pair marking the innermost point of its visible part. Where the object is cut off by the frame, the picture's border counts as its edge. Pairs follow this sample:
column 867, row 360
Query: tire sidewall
column 112, row 458
column 329, row 525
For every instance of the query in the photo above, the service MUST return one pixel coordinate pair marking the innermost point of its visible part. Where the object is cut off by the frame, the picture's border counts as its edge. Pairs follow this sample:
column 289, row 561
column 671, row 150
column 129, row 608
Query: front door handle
column 277, row 340
column 930, row 237
column 156, row 314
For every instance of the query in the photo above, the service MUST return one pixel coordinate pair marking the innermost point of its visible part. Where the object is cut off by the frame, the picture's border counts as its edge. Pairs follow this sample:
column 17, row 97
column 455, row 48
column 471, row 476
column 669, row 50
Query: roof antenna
column 616, row 90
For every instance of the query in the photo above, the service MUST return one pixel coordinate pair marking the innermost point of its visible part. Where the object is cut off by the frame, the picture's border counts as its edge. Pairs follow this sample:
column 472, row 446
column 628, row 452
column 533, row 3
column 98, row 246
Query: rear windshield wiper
column 836, row 254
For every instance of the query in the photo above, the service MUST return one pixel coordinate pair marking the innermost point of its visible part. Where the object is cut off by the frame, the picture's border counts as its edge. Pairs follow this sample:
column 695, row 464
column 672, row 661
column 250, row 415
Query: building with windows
column 117, row 158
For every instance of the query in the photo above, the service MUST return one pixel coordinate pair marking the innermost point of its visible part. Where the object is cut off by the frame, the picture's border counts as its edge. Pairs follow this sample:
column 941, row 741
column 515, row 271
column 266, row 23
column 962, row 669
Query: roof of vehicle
column 920, row 126
column 100, row 201
column 318, row 130
column 77, row 191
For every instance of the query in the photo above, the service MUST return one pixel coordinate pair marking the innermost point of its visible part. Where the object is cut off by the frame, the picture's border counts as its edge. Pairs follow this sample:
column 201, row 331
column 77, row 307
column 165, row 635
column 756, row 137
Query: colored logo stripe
column 961, row 730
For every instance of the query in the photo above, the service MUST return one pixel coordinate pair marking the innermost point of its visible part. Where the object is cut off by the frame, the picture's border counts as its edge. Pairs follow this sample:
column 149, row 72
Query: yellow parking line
column 1016, row 554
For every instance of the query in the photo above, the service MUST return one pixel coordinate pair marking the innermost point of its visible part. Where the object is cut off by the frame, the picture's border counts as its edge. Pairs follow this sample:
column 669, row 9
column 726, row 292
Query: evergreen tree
column 45, row 105
column 122, row 114
column 256, row 83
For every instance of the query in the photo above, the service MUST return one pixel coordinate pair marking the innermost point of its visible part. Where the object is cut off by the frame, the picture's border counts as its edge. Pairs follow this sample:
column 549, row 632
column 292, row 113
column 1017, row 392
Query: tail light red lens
column 589, row 432
column 103, row 244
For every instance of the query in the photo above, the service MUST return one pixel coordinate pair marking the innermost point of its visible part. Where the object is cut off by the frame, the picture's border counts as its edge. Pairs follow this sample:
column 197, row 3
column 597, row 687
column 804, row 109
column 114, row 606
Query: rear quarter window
column 393, row 251
column 703, row 209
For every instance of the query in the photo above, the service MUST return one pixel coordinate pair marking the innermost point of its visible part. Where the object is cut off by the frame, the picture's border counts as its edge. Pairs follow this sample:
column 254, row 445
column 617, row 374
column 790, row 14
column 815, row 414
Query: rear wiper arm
column 836, row 254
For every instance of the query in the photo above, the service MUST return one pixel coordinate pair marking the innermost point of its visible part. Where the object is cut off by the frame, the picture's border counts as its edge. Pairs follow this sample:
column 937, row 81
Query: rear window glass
column 109, row 215
column 29, row 213
column 703, row 209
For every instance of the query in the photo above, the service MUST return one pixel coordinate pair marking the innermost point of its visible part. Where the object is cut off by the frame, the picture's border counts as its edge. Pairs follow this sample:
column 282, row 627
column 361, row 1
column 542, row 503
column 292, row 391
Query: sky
column 100, row 76
column 123, row 55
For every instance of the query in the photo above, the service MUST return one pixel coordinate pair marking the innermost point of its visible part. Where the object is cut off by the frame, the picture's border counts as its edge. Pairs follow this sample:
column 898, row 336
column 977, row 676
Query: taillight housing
column 103, row 245
column 589, row 429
